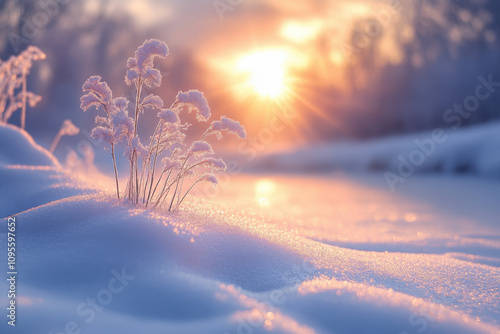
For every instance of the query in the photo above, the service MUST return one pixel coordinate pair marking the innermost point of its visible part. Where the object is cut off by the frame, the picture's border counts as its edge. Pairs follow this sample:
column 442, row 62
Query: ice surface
column 267, row 254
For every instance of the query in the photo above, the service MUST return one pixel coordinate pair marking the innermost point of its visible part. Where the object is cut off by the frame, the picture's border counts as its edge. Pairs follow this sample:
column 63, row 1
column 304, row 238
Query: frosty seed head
column 228, row 125
column 210, row 178
column 141, row 66
column 152, row 101
column 98, row 93
column 102, row 133
column 69, row 129
column 169, row 163
column 195, row 101
column 200, row 148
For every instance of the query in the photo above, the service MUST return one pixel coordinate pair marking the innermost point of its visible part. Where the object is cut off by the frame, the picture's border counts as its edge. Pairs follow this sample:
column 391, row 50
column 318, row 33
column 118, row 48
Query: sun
column 265, row 71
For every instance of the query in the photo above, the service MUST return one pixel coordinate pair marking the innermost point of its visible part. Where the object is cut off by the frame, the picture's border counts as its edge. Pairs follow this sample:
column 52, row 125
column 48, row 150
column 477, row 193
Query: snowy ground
column 282, row 254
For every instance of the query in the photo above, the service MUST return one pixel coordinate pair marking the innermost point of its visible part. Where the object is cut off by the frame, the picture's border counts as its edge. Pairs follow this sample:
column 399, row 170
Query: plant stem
column 158, row 183
column 179, row 177
column 55, row 142
column 175, row 193
column 136, row 180
column 116, row 170
column 137, row 98
column 179, row 195
column 192, row 186
column 156, row 186
column 130, row 180
column 150, row 152
column 135, row 193
column 160, row 196
column 23, row 113
column 182, row 172
column 154, row 163
column 167, row 190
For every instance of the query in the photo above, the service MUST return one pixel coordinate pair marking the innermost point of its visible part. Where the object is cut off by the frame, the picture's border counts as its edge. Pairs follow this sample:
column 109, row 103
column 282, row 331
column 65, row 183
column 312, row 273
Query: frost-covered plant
column 67, row 129
column 116, row 126
column 157, row 171
column 13, row 90
column 141, row 72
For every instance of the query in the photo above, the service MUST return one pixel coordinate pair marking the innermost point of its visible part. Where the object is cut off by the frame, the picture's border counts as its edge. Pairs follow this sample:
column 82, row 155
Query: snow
column 289, row 254
column 98, row 93
column 14, row 141
column 473, row 150
column 229, row 125
column 168, row 116
column 146, row 53
column 141, row 66
column 195, row 101
column 152, row 101
column 200, row 148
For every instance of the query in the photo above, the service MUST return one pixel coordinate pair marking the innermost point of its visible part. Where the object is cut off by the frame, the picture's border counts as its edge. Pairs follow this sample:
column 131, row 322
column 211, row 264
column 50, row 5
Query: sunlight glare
column 264, row 190
column 266, row 71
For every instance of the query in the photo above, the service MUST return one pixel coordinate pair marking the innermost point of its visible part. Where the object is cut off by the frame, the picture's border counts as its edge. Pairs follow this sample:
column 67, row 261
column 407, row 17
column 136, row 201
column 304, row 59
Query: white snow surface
column 18, row 148
column 265, row 254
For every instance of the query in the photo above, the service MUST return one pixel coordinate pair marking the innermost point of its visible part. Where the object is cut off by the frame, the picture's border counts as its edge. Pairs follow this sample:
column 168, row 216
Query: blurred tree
column 404, row 71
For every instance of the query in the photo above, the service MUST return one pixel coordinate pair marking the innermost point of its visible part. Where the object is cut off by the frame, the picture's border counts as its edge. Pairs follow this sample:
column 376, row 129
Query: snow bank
column 198, row 273
column 19, row 148
column 25, row 187
column 31, row 176
column 469, row 150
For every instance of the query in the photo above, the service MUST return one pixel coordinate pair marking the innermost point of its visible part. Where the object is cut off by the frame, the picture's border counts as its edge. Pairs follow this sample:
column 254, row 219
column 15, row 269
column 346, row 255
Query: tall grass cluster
column 159, row 170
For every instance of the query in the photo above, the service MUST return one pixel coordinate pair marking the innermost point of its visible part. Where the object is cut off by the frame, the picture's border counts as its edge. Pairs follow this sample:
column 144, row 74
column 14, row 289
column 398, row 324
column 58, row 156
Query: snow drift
column 18, row 148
